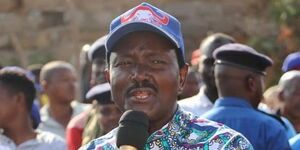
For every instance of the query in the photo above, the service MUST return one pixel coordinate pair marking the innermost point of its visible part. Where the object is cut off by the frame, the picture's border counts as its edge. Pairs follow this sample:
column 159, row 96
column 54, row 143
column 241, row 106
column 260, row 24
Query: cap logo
column 146, row 14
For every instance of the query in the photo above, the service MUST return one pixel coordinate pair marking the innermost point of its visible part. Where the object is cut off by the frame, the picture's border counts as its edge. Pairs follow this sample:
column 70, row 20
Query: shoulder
column 219, row 135
column 48, row 137
column 80, row 107
column 269, row 120
column 107, row 141
column 187, row 101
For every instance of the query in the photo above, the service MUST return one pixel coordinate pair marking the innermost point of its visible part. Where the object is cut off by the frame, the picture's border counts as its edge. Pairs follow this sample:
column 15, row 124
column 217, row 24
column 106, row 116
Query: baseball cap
column 97, row 49
column 146, row 17
column 291, row 62
column 101, row 93
column 243, row 56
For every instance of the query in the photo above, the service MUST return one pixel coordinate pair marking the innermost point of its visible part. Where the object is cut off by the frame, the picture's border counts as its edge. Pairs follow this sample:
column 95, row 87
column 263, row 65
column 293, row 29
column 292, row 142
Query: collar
column 233, row 102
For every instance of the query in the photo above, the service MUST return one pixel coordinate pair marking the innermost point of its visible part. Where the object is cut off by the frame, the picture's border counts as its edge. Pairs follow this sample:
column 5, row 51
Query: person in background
column 191, row 86
column 271, row 105
column 208, row 94
column 41, row 99
column 289, row 95
column 270, row 102
column 291, row 62
column 239, row 72
column 58, row 82
column 105, row 114
column 85, row 71
column 18, row 117
column 96, row 56
column 147, row 71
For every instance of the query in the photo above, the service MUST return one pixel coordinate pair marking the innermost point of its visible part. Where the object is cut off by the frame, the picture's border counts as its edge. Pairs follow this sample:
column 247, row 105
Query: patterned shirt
column 184, row 131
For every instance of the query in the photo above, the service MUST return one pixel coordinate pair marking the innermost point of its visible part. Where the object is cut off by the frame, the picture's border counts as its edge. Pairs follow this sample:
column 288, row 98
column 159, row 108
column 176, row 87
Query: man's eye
column 124, row 63
column 158, row 62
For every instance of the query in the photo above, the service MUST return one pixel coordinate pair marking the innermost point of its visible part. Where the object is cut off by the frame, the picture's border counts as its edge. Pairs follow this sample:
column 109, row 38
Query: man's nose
column 140, row 73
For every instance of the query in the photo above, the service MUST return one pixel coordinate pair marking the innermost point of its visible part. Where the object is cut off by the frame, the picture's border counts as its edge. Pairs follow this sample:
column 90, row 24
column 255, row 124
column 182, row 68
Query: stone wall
column 36, row 31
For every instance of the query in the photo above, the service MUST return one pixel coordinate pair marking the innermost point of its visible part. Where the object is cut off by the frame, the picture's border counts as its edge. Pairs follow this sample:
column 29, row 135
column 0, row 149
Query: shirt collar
column 233, row 102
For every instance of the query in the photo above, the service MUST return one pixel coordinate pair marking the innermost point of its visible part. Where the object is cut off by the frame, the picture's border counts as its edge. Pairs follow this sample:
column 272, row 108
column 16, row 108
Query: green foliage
column 285, row 11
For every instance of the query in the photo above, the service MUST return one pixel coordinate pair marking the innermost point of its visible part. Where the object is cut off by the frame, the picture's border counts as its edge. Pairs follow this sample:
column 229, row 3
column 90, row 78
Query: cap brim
column 124, row 29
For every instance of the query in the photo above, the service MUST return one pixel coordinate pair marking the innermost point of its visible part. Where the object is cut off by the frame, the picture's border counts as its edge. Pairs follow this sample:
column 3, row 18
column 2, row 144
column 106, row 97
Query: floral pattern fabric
column 184, row 132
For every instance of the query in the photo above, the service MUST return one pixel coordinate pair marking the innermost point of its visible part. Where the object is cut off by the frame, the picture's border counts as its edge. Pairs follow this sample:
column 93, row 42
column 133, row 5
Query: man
column 191, row 85
column 239, row 72
column 17, row 93
column 96, row 56
column 289, row 95
column 208, row 94
column 105, row 114
column 146, row 71
column 58, row 82
column 291, row 62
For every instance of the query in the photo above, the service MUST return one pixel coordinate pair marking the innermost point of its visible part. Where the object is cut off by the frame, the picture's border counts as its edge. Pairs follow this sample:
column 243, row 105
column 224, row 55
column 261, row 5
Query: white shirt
column 43, row 141
column 49, row 124
column 197, row 105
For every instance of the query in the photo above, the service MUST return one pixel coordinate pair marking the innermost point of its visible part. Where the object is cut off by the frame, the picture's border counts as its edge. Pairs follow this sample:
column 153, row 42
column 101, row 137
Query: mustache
column 138, row 85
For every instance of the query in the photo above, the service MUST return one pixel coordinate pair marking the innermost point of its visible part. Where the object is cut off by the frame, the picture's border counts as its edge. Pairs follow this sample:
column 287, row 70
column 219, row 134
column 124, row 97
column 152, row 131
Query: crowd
column 218, row 103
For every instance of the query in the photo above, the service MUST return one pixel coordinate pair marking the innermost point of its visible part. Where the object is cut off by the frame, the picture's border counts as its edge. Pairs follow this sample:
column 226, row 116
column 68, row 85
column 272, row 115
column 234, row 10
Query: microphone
column 133, row 130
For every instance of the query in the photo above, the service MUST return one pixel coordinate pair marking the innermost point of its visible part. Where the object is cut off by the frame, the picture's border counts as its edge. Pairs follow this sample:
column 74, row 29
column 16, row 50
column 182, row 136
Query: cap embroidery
column 146, row 14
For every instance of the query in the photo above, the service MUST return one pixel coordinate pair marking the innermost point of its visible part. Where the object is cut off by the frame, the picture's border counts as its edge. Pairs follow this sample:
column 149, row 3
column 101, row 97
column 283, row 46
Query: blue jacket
column 263, row 132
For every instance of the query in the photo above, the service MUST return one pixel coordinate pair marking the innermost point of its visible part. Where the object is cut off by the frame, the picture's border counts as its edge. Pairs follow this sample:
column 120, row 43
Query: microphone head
column 133, row 129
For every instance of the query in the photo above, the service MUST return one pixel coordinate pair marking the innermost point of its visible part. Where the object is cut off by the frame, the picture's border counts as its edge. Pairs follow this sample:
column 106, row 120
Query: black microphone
column 133, row 130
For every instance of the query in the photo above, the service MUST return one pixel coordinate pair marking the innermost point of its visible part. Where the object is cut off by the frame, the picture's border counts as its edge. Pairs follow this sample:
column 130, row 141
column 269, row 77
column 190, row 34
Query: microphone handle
column 127, row 147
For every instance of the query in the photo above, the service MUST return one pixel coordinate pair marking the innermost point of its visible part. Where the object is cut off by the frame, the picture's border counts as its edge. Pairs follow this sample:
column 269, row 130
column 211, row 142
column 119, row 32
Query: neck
column 61, row 112
column 211, row 93
column 20, row 131
column 159, row 123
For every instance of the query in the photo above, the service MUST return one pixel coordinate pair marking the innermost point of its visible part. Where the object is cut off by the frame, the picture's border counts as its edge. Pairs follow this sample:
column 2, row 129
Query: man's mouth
column 141, row 94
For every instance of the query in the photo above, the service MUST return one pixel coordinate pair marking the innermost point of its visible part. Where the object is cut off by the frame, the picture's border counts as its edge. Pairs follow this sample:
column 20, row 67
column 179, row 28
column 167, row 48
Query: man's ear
column 107, row 75
column 280, row 96
column 251, row 83
column 182, row 76
column 44, row 85
column 21, row 100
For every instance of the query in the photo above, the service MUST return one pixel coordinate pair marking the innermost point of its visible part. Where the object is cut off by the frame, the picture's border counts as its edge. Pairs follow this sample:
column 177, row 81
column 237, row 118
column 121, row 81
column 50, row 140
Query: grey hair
column 287, row 82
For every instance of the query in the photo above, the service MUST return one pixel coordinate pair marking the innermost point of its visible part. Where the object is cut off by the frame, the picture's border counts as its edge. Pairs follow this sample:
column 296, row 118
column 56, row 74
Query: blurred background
column 38, row 31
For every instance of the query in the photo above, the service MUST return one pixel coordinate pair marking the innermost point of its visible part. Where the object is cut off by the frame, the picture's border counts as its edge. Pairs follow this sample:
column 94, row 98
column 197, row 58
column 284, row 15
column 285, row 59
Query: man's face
column 292, row 100
column 109, row 115
column 145, row 76
column 8, row 106
column 98, row 72
column 191, row 85
column 206, row 70
column 61, row 86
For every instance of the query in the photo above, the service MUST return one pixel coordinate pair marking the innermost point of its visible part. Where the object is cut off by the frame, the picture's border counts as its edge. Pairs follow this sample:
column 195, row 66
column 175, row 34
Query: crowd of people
column 219, row 104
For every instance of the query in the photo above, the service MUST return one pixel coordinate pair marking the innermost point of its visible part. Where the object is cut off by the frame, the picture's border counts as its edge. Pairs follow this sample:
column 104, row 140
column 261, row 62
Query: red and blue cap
column 146, row 17
column 291, row 62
